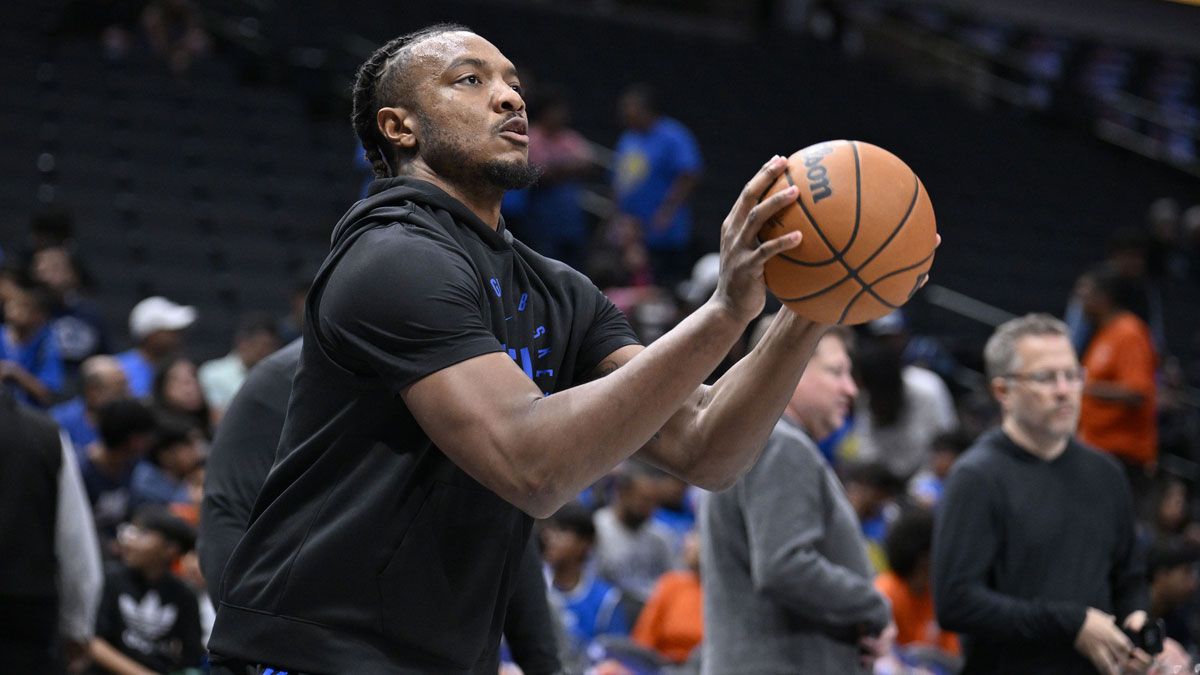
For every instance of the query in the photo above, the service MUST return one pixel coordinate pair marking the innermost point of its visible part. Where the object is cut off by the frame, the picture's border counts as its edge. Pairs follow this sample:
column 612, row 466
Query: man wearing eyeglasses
column 1034, row 556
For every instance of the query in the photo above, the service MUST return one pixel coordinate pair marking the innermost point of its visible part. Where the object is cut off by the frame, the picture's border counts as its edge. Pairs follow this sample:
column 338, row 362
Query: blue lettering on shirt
column 541, row 330
column 521, row 305
column 496, row 287
column 543, row 352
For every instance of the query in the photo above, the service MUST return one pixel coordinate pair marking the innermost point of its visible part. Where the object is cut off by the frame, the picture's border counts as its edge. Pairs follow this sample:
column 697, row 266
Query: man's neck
column 483, row 201
column 21, row 335
column 1106, row 317
column 566, row 577
column 1045, row 448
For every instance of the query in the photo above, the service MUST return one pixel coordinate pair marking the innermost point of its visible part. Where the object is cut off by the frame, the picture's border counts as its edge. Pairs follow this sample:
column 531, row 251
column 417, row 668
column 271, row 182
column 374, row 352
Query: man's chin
column 511, row 174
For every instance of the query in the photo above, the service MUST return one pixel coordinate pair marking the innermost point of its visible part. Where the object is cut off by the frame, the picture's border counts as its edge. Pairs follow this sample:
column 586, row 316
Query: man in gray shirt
column 787, row 582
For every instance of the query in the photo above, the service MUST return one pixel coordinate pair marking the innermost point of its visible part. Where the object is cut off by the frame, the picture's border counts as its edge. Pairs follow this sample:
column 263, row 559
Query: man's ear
column 398, row 126
column 1000, row 391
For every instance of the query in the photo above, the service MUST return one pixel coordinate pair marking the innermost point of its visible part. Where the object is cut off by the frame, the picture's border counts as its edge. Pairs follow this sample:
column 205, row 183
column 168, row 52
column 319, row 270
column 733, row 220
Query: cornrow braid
column 374, row 88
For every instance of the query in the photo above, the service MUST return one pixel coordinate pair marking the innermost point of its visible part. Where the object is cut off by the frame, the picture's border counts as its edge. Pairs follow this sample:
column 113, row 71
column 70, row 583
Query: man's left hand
column 1139, row 661
column 872, row 647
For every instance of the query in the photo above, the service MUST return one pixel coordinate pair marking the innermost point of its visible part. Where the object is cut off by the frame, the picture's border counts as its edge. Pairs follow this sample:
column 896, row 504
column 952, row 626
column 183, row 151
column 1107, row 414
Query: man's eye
column 470, row 79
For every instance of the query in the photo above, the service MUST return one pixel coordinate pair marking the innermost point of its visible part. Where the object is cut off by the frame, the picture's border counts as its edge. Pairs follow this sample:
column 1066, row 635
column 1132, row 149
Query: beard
column 451, row 159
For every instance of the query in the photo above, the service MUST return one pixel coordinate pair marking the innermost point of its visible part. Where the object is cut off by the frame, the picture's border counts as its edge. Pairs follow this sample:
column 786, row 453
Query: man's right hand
column 740, row 287
column 1103, row 643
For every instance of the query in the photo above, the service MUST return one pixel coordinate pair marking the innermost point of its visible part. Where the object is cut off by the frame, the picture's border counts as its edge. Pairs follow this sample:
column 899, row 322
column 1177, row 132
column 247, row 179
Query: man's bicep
column 471, row 410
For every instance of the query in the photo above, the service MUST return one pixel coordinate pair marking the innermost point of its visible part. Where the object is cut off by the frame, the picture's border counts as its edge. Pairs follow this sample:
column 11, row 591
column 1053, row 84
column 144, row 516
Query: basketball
column 868, row 233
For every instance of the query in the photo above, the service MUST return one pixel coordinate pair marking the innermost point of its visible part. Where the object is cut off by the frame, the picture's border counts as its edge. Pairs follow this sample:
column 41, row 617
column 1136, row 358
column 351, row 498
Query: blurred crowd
column 133, row 415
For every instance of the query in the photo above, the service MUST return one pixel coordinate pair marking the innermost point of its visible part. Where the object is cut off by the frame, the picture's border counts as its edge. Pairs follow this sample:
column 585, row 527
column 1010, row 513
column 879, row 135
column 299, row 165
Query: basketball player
column 449, row 389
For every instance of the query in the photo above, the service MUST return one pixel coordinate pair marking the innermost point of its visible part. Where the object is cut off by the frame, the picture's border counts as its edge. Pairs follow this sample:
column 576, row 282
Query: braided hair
column 382, row 81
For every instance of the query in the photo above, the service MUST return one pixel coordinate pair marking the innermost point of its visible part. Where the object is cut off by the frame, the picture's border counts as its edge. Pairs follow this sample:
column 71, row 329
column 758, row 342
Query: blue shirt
column 646, row 165
column 591, row 609
column 39, row 356
column 138, row 371
column 151, row 485
column 71, row 416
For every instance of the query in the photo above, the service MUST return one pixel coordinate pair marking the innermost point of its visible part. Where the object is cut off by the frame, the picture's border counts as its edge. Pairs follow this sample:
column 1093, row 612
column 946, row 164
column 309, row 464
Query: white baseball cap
column 158, row 313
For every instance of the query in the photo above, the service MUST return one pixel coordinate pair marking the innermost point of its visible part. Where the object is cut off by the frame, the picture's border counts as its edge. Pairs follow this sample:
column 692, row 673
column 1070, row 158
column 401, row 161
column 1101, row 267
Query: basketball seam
column 821, row 292
column 787, row 173
column 857, row 197
column 903, row 221
column 870, row 288
column 867, row 288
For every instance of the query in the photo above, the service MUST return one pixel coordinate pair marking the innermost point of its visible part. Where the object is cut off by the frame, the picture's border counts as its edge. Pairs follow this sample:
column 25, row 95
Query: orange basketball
column 869, row 233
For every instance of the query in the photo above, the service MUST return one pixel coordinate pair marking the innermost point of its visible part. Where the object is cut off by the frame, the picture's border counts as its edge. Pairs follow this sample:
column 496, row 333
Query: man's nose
column 507, row 99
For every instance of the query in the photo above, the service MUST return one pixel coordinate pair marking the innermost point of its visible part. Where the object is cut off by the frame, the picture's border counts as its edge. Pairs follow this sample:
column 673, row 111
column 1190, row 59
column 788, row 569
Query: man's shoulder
column 789, row 442
column 984, row 458
column 1096, row 460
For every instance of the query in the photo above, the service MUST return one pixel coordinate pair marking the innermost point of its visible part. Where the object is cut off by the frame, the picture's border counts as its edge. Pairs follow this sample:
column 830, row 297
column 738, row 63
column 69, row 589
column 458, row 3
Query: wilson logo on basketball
column 818, row 178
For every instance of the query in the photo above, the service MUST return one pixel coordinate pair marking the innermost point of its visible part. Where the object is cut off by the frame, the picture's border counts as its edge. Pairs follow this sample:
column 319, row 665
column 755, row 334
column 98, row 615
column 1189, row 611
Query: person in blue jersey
column 588, row 605
column 30, row 365
column 453, row 385
column 656, row 168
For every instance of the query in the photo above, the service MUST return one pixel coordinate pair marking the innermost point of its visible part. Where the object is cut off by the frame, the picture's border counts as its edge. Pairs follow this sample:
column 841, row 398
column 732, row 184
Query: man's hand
column 872, row 647
column 1103, row 643
column 1139, row 661
column 740, row 287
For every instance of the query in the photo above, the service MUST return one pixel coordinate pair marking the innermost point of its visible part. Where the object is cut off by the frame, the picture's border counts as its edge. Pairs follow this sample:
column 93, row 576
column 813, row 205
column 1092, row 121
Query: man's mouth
column 515, row 130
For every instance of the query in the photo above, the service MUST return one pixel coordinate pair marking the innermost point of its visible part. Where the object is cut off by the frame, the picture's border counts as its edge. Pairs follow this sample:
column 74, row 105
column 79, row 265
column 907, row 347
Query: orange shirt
column 1121, row 352
column 671, row 623
column 914, row 615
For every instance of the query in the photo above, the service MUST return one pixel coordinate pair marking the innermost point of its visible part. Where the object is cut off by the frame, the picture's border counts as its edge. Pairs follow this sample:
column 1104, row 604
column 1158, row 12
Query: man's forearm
column 720, row 433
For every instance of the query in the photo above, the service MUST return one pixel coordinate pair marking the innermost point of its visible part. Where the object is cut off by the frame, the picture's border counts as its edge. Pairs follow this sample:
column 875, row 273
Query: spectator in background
column 672, row 622
column 175, row 32
column 101, row 380
column 257, row 335
column 1168, row 511
column 79, row 330
column 149, row 620
column 291, row 323
column 632, row 550
column 892, row 331
column 156, row 325
column 871, row 489
column 907, row 582
column 1165, row 258
column 1117, row 414
column 126, row 430
column 177, row 393
column 927, row 486
column 1034, row 549
column 50, row 574
column 675, row 513
column 786, row 577
column 902, row 408
column 161, row 478
column 589, row 606
column 656, row 168
column 30, row 366
column 1172, row 575
column 555, row 222
column 1133, row 290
